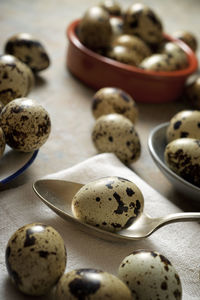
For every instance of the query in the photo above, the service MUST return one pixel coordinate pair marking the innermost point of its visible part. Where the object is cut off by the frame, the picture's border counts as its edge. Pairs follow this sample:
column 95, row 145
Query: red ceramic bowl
column 98, row 71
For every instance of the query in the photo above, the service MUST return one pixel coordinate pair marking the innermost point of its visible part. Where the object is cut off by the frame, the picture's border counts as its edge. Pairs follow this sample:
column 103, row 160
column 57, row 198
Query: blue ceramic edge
column 21, row 170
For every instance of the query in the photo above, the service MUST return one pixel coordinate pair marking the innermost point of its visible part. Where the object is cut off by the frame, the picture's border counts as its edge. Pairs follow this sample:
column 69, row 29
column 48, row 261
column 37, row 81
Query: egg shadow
column 17, row 181
column 40, row 81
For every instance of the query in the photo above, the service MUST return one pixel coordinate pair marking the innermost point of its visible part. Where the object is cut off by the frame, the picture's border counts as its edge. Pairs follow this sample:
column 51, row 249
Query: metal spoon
column 58, row 194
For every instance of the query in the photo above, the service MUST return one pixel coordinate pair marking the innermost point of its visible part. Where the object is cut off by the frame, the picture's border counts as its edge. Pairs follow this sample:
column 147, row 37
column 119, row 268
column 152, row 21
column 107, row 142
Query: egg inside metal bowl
column 156, row 144
column 98, row 71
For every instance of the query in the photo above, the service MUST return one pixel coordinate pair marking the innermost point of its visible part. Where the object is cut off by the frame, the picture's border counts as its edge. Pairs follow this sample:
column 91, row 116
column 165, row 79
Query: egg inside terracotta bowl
column 157, row 143
column 97, row 71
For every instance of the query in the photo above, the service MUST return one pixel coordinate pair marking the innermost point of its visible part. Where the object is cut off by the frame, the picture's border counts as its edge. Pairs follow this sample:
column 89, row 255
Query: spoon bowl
column 58, row 195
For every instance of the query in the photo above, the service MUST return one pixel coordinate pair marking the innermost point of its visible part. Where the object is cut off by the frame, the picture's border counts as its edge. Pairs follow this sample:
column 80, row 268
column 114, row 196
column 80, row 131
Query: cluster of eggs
column 114, row 131
column 134, row 37
column 24, row 57
column 182, row 153
column 25, row 125
column 36, row 260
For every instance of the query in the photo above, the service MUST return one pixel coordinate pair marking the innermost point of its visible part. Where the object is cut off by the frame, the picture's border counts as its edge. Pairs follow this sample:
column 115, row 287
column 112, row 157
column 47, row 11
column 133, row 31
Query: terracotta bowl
column 98, row 71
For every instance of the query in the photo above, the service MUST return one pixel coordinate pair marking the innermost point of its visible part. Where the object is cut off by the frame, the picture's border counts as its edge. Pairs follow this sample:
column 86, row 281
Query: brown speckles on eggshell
column 124, row 55
column 29, row 50
column 134, row 43
column 114, row 100
column 122, row 131
column 145, row 274
column 115, row 209
column 187, row 37
column 26, row 124
column 156, row 62
column 183, row 157
column 112, row 7
column 16, row 78
column 184, row 123
column 142, row 21
column 91, row 283
column 94, row 29
column 34, row 265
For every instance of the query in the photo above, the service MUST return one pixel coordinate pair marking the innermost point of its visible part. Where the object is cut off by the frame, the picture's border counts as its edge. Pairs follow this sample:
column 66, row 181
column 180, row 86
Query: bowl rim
column 161, row 164
column 167, row 75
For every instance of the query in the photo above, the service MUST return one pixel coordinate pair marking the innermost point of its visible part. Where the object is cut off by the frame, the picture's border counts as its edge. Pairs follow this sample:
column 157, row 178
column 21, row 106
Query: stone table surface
column 68, row 101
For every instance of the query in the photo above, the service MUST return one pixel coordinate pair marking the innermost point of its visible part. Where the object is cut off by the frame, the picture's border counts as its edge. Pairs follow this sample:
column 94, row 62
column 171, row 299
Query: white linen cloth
column 179, row 242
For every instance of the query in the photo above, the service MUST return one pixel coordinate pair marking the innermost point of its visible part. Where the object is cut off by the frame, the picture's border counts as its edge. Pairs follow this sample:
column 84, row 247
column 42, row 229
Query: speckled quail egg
column 150, row 276
column 116, row 26
column 2, row 142
column 176, row 55
column 124, row 55
column 111, row 6
column 94, row 29
column 186, row 37
column 16, row 78
column 184, row 124
column 26, row 124
column 115, row 133
column 183, row 157
column 29, row 50
column 110, row 203
column 134, row 43
column 91, row 284
column 142, row 21
column 192, row 93
column 114, row 100
column 156, row 62
column 35, row 258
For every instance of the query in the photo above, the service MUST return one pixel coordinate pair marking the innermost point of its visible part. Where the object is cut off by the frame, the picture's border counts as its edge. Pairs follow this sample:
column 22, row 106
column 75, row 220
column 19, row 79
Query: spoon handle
column 179, row 217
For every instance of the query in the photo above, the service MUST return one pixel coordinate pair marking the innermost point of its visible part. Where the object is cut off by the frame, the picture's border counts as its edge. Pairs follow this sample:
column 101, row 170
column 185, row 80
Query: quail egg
column 124, row 55
column 16, row 79
column 183, row 157
column 150, row 275
column 115, row 133
column 176, row 56
column 94, row 29
column 114, row 100
column 142, row 21
column 157, row 62
column 91, row 284
column 35, row 258
column 110, row 203
column 186, row 37
column 2, row 142
column 112, row 7
column 116, row 26
column 184, row 124
column 26, row 124
column 192, row 93
column 29, row 50
column 134, row 43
